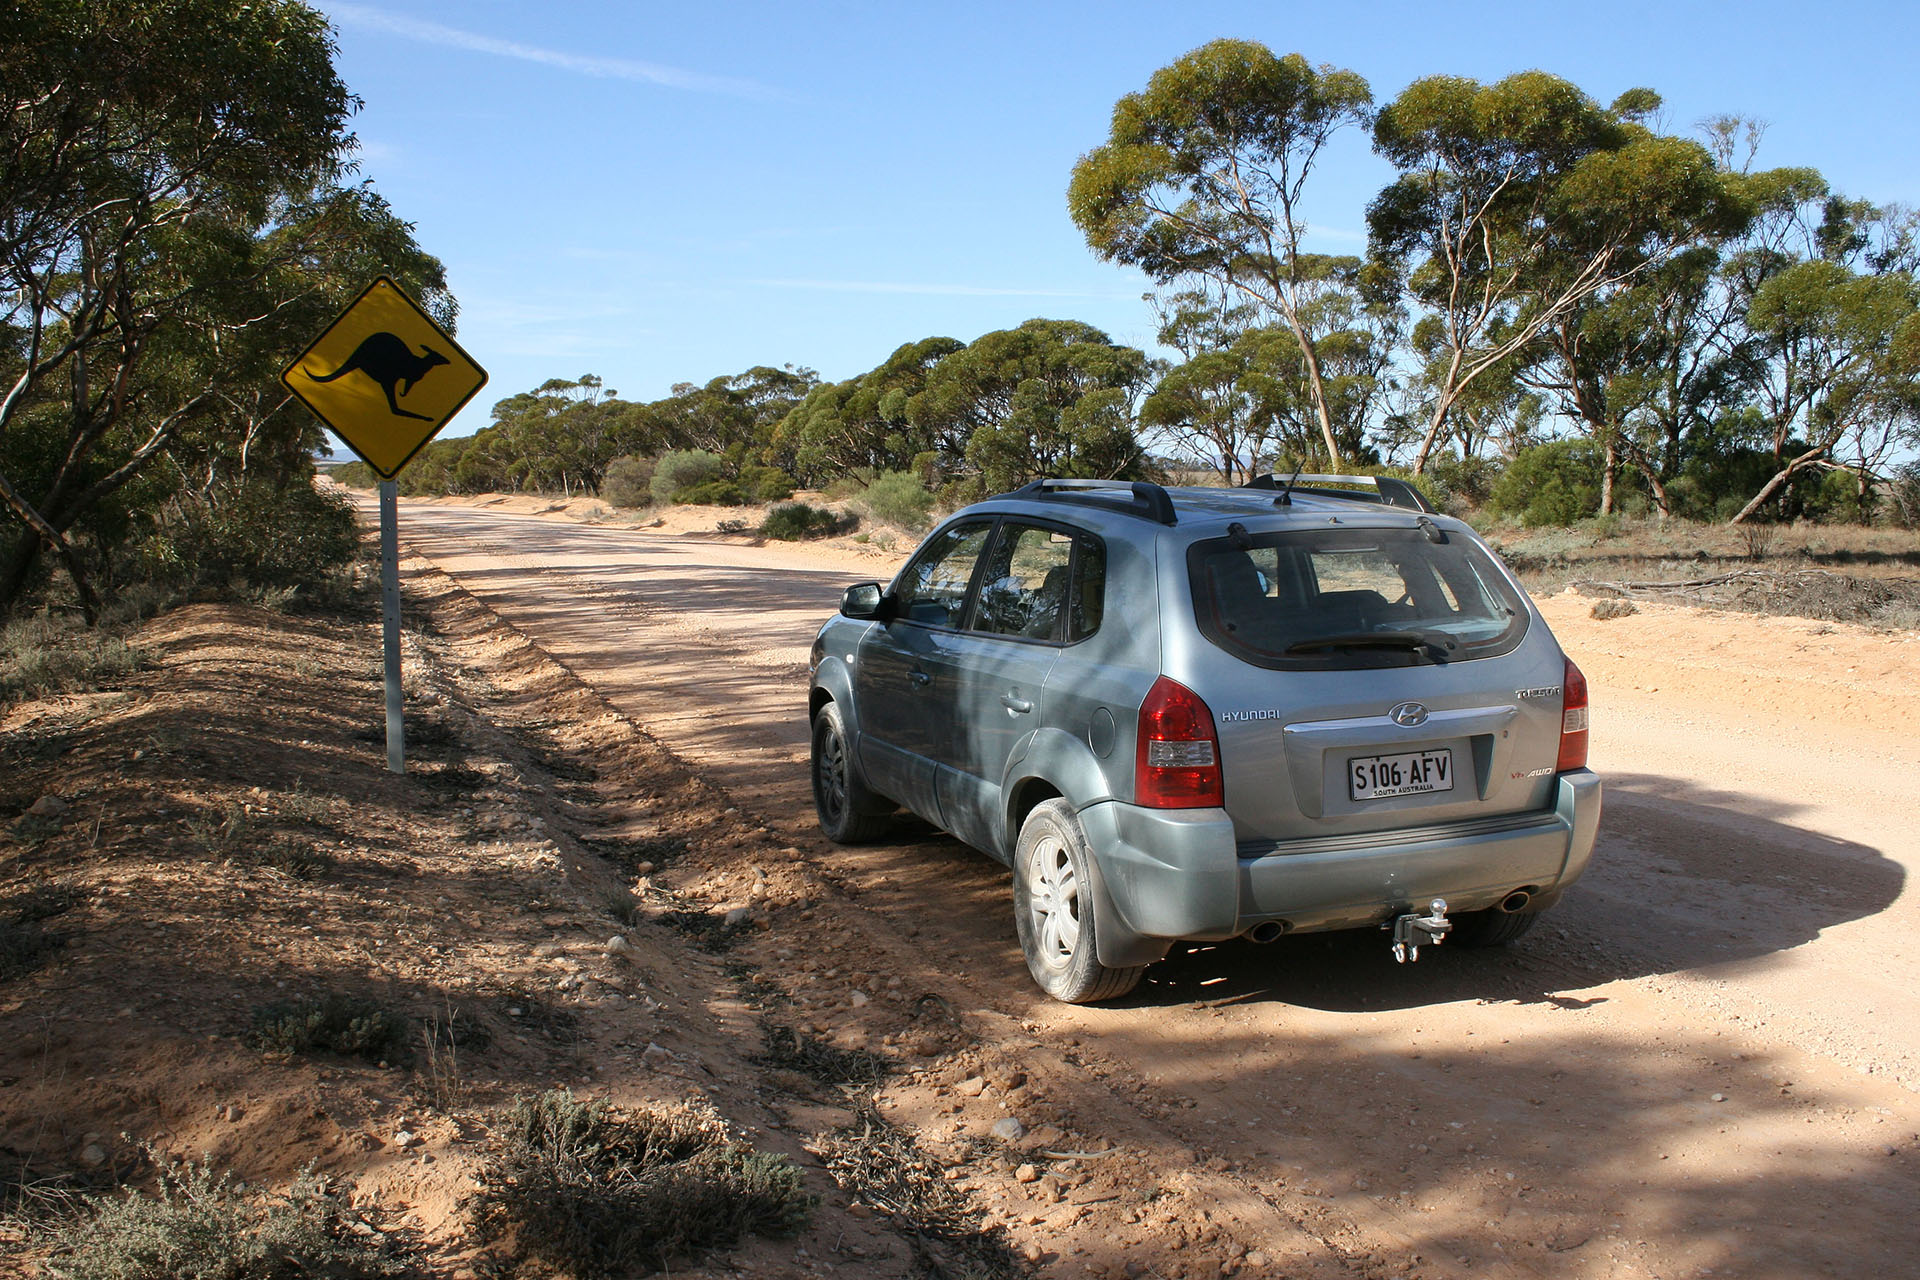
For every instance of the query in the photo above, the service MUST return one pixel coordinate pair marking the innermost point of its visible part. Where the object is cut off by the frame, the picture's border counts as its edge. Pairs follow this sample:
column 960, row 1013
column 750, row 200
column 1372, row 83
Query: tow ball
column 1413, row 931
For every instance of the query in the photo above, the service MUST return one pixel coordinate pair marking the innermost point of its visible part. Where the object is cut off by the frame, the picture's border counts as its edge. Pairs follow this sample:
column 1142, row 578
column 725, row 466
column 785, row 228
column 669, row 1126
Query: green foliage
column 178, row 227
column 766, row 484
column 1555, row 484
column 196, row 1226
column 628, row 482
column 258, row 535
column 580, row 1186
column 1050, row 398
column 1470, row 480
column 1202, row 177
column 899, row 498
column 680, row 471
column 349, row 1025
column 795, row 521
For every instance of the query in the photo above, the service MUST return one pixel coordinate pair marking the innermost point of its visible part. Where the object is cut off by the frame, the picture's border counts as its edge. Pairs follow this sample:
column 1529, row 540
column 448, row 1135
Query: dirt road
column 1704, row 1062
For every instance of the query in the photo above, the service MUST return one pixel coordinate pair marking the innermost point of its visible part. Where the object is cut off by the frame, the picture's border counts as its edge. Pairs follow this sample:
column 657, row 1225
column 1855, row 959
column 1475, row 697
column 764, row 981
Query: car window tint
column 933, row 589
column 1024, row 589
column 1274, row 602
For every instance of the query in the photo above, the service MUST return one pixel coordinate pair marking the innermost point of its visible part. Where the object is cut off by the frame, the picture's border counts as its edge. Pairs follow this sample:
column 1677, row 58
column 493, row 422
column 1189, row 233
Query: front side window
column 932, row 589
column 1347, row 598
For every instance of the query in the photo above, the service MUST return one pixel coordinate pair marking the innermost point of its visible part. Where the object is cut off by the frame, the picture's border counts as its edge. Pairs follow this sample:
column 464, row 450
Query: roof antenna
column 1286, row 495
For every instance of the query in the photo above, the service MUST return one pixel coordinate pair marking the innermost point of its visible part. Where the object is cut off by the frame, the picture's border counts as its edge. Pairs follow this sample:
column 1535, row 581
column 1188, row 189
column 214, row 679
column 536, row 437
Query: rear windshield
column 1347, row 598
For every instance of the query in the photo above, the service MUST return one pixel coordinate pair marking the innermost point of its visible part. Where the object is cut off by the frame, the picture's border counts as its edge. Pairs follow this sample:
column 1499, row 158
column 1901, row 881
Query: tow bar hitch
column 1412, row 932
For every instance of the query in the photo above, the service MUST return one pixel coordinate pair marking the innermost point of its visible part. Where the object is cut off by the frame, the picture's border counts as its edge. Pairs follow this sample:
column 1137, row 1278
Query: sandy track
column 1704, row 1062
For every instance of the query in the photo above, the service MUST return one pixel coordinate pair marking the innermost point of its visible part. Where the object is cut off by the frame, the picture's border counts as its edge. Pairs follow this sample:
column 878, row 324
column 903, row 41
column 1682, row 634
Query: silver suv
column 1213, row 713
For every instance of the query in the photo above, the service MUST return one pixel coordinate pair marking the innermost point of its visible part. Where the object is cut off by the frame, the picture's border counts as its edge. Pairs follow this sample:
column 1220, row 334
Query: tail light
column 1177, row 759
column 1573, row 721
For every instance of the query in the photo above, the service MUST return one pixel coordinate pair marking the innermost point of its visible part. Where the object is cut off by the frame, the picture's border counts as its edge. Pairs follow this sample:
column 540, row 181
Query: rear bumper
column 1177, row 874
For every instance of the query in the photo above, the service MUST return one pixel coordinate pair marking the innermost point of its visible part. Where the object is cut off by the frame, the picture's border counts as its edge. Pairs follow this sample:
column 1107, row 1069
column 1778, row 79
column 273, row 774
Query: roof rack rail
column 1387, row 490
column 1134, row 497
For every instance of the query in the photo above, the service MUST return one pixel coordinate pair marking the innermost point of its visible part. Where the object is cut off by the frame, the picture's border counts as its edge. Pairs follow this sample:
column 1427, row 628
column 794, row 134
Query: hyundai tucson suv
column 1200, row 714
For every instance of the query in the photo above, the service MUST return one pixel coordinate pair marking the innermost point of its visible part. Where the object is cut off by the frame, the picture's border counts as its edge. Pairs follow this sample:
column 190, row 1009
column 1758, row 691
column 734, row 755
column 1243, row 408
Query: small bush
column 714, row 493
column 681, row 470
column 201, row 1226
column 1469, row 480
column 582, row 1187
column 898, row 497
column 628, row 482
column 1549, row 484
column 766, row 484
column 794, row 521
column 347, row 1025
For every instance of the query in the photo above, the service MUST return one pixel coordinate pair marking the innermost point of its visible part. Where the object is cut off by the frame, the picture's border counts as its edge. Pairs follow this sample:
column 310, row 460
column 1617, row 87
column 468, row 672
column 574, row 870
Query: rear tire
column 848, row 812
column 1053, row 891
column 1490, row 928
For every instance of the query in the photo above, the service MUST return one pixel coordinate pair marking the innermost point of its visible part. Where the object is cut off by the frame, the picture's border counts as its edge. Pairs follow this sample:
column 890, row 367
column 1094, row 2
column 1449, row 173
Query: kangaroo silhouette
column 389, row 361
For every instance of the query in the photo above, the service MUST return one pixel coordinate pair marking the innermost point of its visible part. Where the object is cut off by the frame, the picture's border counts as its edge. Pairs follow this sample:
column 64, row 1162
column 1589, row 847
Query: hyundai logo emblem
column 1408, row 714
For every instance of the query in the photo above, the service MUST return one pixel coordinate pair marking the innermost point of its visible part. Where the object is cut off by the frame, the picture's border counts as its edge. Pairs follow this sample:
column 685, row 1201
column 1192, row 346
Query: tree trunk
column 1609, row 461
column 1780, row 477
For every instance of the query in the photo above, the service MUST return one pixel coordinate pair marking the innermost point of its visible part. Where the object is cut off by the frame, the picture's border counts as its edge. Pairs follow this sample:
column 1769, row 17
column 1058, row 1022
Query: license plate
column 1412, row 774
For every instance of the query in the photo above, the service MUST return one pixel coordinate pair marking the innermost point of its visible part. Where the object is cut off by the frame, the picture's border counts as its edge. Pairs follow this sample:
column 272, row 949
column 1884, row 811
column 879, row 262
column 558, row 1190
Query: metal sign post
column 381, row 350
column 390, row 618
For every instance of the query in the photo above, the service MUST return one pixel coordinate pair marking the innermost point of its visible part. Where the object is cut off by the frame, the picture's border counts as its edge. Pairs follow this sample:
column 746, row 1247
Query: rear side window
column 1041, row 583
column 1349, row 598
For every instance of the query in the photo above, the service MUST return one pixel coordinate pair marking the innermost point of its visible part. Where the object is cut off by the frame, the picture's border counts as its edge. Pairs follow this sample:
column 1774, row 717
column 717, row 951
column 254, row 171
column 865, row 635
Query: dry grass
column 585, row 1188
column 1837, row 573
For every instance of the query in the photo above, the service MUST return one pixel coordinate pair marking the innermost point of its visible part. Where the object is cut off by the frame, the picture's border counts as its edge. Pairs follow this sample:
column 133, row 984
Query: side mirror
column 863, row 600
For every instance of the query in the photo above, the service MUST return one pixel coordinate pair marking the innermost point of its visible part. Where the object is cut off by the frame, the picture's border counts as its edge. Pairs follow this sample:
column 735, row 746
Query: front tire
column 1053, row 891
column 848, row 812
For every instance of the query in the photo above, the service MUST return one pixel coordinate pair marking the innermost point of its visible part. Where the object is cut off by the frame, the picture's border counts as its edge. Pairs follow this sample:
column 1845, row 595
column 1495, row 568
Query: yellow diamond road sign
column 384, row 377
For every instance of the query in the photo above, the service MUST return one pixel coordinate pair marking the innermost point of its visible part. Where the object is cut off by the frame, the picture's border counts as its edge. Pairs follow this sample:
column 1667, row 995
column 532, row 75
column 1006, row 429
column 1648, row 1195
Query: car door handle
column 919, row 677
column 1019, row 706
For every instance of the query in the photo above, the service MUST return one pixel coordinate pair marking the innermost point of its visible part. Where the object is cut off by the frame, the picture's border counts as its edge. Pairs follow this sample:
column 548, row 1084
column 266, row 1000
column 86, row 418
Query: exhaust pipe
column 1516, row 901
column 1267, row 931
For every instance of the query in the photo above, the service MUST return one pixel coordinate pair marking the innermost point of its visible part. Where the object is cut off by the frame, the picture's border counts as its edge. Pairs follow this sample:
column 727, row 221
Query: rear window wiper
column 1437, row 643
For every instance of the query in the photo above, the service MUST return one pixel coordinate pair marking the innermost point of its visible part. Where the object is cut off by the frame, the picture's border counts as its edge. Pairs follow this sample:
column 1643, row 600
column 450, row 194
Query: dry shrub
column 583, row 1187
column 1607, row 610
column 198, row 1225
column 348, row 1025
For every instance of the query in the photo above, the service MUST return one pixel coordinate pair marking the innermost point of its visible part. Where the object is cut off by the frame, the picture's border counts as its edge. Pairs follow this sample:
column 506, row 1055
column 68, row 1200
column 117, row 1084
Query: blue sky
column 662, row 193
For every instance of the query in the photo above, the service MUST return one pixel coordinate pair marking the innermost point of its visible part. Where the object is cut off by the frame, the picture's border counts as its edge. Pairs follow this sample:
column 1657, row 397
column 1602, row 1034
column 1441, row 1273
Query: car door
column 997, row 671
column 901, row 672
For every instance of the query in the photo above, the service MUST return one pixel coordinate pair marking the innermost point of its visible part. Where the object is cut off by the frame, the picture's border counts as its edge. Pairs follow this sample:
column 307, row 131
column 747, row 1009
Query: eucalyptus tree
column 168, row 178
column 1518, row 200
column 1202, row 176
column 1220, row 405
column 1049, row 398
column 860, row 426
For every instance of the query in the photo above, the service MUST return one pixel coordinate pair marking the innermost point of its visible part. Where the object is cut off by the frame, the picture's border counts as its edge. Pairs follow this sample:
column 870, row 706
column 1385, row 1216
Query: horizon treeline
column 1561, row 293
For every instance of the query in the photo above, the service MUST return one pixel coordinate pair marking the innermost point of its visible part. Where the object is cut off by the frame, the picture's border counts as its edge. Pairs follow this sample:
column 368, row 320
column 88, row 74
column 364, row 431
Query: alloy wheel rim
column 1055, row 901
column 833, row 775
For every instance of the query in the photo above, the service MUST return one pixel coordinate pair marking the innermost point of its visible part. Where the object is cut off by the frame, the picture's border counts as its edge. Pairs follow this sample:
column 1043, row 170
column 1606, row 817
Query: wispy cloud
column 357, row 15
column 930, row 290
